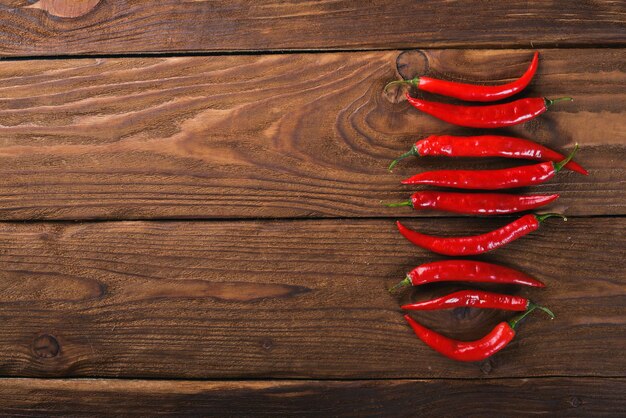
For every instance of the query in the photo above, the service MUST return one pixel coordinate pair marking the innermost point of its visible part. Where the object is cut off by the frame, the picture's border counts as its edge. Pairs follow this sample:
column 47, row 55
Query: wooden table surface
column 190, row 218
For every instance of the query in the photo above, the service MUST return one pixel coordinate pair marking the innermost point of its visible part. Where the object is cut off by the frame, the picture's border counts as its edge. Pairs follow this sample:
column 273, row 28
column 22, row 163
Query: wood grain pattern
column 302, row 299
column 398, row 398
column 55, row 27
column 294, row 135
column 245, row 139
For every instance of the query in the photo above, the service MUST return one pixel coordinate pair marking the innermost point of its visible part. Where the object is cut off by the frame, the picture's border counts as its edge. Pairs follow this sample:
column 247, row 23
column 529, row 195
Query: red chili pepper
column 465, row 271
column 485, row 146
column 477, row 350
column 472, row 298
column 470, row 92
column 491, row 116
column 476, row 244
column 475, row 203
column 528, row 175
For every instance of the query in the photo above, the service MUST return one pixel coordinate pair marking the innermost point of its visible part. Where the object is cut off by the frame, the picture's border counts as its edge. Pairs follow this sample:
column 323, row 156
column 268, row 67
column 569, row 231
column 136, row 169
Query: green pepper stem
column 550, row 102
column 405, row 282
column 531, row 307
column 513, row 322
column 413, row 82
column 396, row 205
column 410, row 153
column 546, row 310
column 541, row 218
column 559, row 166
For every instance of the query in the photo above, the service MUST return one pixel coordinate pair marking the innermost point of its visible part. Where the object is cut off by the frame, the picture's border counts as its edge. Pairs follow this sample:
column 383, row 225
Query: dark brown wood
column 53, row 27
column 305, row 299
column 245, row 139
column 398, row 398
column 295, row 135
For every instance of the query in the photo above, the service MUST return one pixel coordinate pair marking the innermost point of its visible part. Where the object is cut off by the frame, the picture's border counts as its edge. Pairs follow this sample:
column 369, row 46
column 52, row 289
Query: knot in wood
column 412, row 64
column 462, row 313
column 487, row 366
column 267, row 344
column 66, row 8
column 46, row 346
column 575, row 401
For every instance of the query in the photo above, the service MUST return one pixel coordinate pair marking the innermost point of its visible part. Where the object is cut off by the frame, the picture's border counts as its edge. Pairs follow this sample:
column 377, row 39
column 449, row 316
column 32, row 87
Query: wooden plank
column 52, row 27
column 301, row 299
column 510, row 397
column 275, row 135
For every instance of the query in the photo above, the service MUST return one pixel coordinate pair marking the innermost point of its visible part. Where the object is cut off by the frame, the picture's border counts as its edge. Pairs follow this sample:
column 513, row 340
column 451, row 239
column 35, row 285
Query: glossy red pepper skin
column 528, row 175
column 472, row 298
column 490, row 116
column 475, row 244
column 472, row 92
column 476, row 203
column 477, row 350
column 468, row 271
column 487, row 146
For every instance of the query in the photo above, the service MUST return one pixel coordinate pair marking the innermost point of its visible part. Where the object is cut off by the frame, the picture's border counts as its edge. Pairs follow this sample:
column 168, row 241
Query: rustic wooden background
column 191, row 222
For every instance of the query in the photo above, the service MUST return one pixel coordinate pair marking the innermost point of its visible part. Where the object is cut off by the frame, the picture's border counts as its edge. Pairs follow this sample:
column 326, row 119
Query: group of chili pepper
column 490, row 116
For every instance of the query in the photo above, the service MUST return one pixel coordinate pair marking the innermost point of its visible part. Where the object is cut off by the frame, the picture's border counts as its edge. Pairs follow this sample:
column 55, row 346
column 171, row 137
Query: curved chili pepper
column 472, row 298
column 478, row 350
column 491, row 116
column 476, row 244
column 475, row 203
column 465, row 271
column 527, row 175
column 485, row 146
column 470, row 92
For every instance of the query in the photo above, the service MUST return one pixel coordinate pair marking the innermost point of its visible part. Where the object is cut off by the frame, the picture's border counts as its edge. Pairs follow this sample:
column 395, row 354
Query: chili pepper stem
column 410, row 153
column 550, row 102
column 398, row 204
column 413, row 82
column 559, row 166
column 543, row 308
column 531, row 307
column 541, row 218
column 405, row 282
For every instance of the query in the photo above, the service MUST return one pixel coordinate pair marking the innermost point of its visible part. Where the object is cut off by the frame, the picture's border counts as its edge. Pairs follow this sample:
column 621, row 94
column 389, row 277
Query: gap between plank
column 305, row 379
column 286, row 219
column 296, row 51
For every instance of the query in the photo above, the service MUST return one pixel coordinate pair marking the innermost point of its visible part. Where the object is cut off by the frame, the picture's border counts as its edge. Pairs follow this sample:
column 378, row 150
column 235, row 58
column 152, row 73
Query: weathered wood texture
column 291, row 299
column 52, row 27
column 289, row 136
column 276, row 136
column 399, row 398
